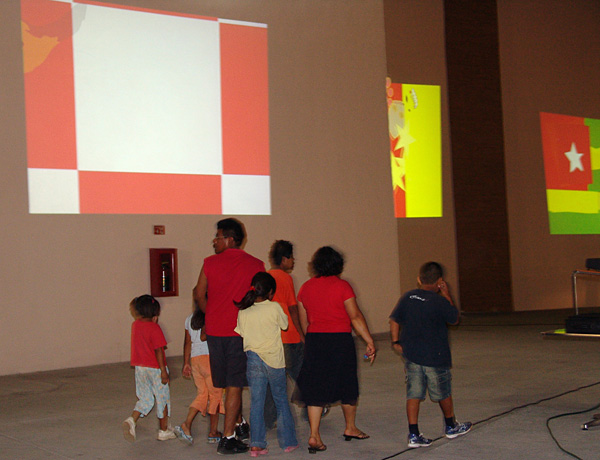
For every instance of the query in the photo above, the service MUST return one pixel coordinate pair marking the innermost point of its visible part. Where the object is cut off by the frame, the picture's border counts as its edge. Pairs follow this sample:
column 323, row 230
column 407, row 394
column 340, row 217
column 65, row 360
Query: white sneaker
column 165, row 435
column 129, row 429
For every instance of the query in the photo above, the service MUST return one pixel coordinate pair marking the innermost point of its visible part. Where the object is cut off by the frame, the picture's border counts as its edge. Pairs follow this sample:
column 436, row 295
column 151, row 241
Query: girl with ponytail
column 260, row 322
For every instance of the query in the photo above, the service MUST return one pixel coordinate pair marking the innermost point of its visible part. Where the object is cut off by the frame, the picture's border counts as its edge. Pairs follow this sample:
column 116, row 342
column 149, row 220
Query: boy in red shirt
column 151, row 373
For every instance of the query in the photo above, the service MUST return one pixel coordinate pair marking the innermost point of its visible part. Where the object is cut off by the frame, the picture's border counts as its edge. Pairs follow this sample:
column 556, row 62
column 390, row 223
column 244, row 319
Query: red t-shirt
column 146, row 336
column 286, row 296
column 229, row 275
column 323, row 299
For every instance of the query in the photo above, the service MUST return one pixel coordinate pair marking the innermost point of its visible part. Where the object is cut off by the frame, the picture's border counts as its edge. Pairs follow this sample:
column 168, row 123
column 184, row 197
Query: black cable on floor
column 523, row 406
column 566, row 415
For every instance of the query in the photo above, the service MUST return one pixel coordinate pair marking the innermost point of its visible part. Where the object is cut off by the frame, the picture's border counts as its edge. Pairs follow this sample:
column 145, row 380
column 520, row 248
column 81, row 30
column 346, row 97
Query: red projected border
column 245, row 99
column 135, row 193
column 49, row 88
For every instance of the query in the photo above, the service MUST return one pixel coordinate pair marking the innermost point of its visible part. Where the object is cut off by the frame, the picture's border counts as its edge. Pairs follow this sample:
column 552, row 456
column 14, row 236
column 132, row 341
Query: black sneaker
column 230, row 446
column 242, row 431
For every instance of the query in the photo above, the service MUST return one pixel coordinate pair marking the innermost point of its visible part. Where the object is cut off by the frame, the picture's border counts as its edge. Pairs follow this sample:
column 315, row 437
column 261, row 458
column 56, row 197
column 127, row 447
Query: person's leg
column 351, row 431
column 447, row 407
column 314, row 420
column 270, row 410
column 416, row 388
column 258, row 380
column 214, row 434
column 412, row 411
column 286, row 428
column 233, row 405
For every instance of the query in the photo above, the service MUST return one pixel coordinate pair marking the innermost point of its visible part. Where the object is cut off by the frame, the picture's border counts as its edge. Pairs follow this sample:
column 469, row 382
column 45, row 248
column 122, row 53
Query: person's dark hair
column 430, row 272
column 262, row 285
column 232, row 228
column 146, row 306
column 198, row 319
column 327, row 262
column 279, row 250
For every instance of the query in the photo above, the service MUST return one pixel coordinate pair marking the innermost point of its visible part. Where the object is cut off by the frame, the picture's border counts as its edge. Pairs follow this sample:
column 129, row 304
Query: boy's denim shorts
column 420, row 379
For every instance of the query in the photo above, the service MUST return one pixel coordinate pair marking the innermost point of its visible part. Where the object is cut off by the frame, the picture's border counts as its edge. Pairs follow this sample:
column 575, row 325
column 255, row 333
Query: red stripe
column 49, row 88
column 245, row 99
column 135, row 193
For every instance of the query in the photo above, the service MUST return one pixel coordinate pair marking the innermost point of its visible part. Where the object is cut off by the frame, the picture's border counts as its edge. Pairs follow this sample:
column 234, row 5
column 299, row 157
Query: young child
column 260, row 322
column 196, row 363
column 424, row 314
column 151, row 374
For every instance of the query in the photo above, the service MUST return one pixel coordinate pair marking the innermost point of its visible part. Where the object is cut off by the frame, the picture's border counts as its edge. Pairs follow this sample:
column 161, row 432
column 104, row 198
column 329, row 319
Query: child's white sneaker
column 129, row 429
column 165, row 435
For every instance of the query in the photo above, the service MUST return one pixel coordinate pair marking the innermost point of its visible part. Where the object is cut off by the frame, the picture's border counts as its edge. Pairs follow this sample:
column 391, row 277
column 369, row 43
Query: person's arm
column 395, row 335
column 295, row 315
column 445, row 292
column 200, row 290
column 187, row 353
column 303, row 319
column 160, row 357
column 360, row 326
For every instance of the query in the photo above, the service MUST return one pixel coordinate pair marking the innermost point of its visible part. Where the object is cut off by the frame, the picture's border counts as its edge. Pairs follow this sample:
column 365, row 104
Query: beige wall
column 67, row 280
column 548, row 52
column 416, row 55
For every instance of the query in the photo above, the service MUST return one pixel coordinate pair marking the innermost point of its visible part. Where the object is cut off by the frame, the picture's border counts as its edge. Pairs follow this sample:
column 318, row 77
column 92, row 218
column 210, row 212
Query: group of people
column 250, row 329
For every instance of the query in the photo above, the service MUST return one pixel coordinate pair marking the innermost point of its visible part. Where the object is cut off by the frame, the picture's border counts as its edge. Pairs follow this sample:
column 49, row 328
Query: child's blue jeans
column 259, row 375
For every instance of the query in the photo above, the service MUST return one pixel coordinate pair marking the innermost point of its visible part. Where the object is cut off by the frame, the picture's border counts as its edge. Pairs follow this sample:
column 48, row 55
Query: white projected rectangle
column 159, row 112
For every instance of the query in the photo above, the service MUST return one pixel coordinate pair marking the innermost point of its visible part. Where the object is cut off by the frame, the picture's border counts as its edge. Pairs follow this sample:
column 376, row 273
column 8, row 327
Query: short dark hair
column 327, row 262
column 430, row 272
column 146, row 306
column 232, row 228
column 279, row 250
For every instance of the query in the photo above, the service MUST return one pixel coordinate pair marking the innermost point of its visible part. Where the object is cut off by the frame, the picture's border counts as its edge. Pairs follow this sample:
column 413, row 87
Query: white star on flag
column 574, row 158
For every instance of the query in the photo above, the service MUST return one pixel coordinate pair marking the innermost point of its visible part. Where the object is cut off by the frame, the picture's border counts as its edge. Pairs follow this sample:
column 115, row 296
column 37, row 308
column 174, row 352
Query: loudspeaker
column 592, row 264
column 587, row 323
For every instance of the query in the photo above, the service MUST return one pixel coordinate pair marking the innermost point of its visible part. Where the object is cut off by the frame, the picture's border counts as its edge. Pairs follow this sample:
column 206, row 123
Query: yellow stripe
column 423, row 162
column 573, row 201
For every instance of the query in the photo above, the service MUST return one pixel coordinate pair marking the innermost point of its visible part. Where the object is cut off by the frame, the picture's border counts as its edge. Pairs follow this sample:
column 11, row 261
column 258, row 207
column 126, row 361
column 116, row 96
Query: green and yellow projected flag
column 571, row 148
column 414, row 119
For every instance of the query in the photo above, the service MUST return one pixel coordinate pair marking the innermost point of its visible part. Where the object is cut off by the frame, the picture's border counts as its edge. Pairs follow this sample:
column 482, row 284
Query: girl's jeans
column 259, row 375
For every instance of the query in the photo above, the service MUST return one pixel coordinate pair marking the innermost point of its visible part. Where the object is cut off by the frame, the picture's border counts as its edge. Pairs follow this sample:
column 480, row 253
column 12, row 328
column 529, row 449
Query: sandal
column 315, row 449
column 349, row 437
column 214, row 439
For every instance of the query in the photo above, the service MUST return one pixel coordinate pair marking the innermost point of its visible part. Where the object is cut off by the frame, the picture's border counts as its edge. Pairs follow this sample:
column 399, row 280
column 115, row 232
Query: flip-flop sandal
column 214, row 439
column 315, row 449
column 349, row 437
column 182, row 436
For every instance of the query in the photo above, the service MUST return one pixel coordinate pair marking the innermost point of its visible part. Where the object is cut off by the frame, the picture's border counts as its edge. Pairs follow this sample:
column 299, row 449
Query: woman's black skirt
column 329, row 370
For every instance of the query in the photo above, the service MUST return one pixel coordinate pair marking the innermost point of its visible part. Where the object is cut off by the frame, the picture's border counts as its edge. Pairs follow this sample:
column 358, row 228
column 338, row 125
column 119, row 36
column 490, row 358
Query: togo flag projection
column 414, row 120
column 571, row 147
column 132, row 110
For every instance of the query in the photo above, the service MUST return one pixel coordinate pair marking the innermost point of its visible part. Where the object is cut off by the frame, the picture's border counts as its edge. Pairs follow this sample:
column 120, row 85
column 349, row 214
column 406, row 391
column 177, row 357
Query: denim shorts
column 420, row 379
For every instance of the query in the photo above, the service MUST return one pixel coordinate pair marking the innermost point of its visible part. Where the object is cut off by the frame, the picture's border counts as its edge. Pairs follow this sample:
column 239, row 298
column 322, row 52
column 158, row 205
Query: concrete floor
column 508, row 380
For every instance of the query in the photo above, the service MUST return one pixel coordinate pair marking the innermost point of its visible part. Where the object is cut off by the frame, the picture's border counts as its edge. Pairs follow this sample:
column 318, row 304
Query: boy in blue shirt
column 419, row 331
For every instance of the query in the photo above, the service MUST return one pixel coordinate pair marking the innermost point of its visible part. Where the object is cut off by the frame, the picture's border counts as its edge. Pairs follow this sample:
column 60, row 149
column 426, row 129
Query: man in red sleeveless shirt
column 225, row 277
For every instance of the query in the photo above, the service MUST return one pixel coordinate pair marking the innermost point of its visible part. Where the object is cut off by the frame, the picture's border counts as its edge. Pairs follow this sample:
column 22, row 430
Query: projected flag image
column 138, row 111
column 571, row 148
column 414, row 120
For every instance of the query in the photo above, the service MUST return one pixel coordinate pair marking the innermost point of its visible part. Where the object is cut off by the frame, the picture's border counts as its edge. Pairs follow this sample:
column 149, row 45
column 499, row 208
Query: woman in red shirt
column 329, row 372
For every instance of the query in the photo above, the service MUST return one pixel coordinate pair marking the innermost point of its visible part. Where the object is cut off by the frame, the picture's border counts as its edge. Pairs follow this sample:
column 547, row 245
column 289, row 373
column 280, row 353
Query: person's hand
column 397, row 348
column 164, row 376
column 371, row 352
column 443, row 287
column 186, row 372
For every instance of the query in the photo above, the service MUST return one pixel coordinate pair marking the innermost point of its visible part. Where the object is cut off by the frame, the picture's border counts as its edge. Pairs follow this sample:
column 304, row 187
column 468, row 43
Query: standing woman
column 329, row 372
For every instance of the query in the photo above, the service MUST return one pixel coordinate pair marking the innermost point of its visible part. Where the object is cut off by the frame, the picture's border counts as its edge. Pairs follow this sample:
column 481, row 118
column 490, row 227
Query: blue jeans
column 419, row 379
column 294, row 355
column 259, row 376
